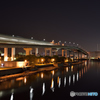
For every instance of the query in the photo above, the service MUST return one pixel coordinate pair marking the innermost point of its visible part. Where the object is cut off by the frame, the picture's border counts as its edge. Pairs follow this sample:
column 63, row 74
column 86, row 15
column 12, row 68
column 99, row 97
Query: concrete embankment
column 9, row 73
column 4, row 78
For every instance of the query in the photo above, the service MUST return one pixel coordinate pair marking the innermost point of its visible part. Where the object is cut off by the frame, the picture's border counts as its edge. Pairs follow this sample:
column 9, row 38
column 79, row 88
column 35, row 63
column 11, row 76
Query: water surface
column 54, row 85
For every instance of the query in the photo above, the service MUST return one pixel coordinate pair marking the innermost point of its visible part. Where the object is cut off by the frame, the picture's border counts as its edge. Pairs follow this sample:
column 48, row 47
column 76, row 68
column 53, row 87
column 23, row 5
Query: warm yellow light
column 25, row 60
column 20, row 64
column 14, row 58
column 6, row 59
column 71, row 68
column 19, row 79
column 66, row 60
column 42, row 60
column 58, row 80
column 52, row 72
column 25, row 80
column 41, row 75
column 53, row 60
column 72, row 59
column 52, row 83
column 66, row 69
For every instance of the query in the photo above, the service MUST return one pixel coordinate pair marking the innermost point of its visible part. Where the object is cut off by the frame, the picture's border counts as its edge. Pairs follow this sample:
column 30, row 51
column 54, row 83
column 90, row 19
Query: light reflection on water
column 64, row 76
column 52, row 85
column 31, row 93
column 43, row 89
column 11, row 98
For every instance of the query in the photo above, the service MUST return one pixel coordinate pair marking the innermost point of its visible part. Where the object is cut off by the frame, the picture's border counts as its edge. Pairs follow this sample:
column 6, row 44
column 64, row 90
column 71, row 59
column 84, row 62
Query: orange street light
column 42, row 60
column 52, row 60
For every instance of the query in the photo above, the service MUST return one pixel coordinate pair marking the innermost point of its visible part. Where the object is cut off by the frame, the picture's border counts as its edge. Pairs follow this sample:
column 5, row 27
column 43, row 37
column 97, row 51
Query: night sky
column 72, row 21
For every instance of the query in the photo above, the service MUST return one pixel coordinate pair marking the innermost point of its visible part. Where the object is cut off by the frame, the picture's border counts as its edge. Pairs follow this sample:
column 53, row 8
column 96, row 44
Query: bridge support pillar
column 73, row 55
column 28, row 50
column 81, row 55
column 62, row 52
column 56, row 52
column 45, row 52
column 69, row 54
column 12, row 53
column 78, row 55
column 36, row 51
column 66, row 53
column 5, row 54
column 50, row 53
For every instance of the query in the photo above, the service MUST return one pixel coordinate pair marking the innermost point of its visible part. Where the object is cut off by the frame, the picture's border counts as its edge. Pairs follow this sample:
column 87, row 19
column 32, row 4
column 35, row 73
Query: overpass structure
column 27, row 44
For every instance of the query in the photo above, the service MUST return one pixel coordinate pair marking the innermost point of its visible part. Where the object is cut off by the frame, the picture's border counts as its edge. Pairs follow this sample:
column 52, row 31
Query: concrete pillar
column 66, row 53
column 81, row 55
column 12, row 53
column 36, row 51
column 50, row 52
column 73, row 55
column 27, row 50
column 5, row 54
column 69, row 54
column 56, row 52
column 45, row 52
column 78, row 55
column 62, row 53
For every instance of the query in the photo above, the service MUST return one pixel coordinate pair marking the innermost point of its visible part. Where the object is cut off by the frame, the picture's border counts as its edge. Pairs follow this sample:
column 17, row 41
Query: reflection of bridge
column 18, row 42
column 56, row 79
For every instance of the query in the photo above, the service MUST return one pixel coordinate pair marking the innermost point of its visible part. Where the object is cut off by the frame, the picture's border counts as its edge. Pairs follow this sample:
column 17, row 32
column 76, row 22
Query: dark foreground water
column 55, row 84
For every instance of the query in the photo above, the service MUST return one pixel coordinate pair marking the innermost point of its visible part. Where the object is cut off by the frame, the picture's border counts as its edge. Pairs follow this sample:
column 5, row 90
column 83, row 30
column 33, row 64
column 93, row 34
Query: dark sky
column 72, row 21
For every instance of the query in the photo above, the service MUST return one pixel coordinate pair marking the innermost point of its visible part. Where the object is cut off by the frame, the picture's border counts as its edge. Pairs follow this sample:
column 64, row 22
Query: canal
column 54, row 85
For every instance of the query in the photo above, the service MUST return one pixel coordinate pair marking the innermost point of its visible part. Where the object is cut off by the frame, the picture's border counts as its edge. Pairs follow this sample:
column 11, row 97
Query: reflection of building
column 94, row 54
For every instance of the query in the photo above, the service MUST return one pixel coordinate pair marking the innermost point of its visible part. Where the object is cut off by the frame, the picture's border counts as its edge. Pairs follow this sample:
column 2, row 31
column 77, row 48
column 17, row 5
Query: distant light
column 53, row 60
column 77, row 44
column 2, row 54
column 14, row 58
column 52, row 72
column 25, row 60
column 42, row 60
column 73, row 42
column 25, row 80
column 12, row 35
column 2, row 65
column 59, row 41
column 66, row 69
column 31, row 37
column 69, row 42
column 65, row 42
column 43, row 39
column 41, row 75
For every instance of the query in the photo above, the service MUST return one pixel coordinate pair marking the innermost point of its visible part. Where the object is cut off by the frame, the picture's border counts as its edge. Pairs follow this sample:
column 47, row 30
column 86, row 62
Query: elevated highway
column 19, row 42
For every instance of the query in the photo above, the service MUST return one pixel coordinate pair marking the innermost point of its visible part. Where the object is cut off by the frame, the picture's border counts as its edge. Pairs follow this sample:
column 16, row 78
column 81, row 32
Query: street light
column 12, row 35
column 42, row 60
column 73, row 42
column 69, row 42
column 65, row 42
column 43, row 39
column 77, row 44
column 31, row 37
column 59, row 41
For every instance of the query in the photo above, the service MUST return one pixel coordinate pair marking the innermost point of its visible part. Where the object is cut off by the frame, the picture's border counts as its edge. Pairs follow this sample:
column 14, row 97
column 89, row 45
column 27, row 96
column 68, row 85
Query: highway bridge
column 27, row 44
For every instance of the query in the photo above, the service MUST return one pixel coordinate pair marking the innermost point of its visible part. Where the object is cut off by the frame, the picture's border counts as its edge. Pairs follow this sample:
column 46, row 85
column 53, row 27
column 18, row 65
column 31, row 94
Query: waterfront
column 55, row 84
